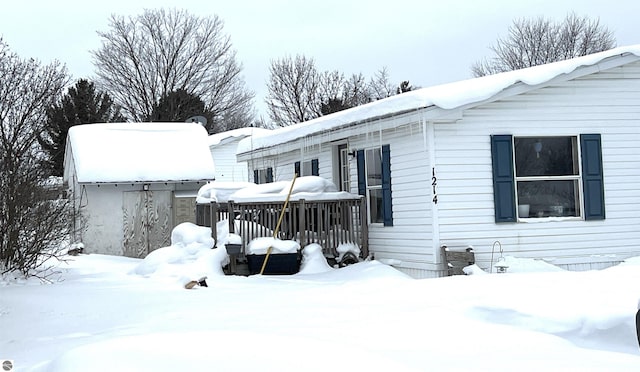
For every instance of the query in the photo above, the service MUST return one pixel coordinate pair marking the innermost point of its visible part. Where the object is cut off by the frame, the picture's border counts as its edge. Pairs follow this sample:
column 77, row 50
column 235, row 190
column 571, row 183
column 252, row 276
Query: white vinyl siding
column 601, row 103
column 226, row 166
column 408, row 242
column 605, row 103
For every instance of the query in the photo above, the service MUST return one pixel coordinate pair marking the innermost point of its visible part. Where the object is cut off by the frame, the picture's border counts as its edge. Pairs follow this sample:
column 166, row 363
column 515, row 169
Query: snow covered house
column 223, row 151
column 542, row 160
column 131, row 183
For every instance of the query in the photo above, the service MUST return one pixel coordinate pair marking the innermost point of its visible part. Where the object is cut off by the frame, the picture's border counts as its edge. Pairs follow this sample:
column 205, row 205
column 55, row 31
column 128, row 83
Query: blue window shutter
column 362, row 180
column 503, row 178
column 269, row 175
column 296, row 168
column 387, row 212
column 315, row 167
column 256, row 176
column 592, row 177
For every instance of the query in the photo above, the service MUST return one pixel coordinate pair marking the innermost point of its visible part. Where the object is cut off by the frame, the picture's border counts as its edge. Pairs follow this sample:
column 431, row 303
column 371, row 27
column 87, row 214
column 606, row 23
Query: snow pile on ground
column 102, row 315
column 313, row 260
column 189, row 256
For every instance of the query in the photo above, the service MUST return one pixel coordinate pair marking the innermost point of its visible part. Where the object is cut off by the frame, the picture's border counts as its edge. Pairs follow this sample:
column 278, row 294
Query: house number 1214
column 434, row 183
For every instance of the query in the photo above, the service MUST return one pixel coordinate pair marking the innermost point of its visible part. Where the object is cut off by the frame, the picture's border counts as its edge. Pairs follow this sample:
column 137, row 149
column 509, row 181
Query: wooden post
column 302, row 223
column 213, row 210
column 364, row 223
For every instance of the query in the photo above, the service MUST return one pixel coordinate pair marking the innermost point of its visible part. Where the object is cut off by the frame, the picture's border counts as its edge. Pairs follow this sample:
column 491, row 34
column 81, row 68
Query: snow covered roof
column 239, row 133
column 140, row 152
column 445, row 96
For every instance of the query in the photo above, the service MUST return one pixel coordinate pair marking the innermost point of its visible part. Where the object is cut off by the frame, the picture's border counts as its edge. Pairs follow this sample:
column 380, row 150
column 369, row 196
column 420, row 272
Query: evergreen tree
column 333, row 105
column 404, row 87
column 80, row 105
column 178, row 106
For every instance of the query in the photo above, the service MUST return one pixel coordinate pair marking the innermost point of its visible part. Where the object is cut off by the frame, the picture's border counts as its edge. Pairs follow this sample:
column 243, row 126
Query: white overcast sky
column 424, row 41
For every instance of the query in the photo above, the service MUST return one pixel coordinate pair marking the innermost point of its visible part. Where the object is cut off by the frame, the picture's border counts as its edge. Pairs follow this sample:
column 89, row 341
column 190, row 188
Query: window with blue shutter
column 307, row 168
column 543, row 174
column 387, row 211
column 592, row 177
column 263, row 175
column 374, row 182
column 362, row 180
column 269, row 175
column 503, row 178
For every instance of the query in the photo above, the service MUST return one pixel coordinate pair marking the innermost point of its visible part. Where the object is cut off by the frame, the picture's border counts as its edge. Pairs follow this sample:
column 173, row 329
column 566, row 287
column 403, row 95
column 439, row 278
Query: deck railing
column 328, row 223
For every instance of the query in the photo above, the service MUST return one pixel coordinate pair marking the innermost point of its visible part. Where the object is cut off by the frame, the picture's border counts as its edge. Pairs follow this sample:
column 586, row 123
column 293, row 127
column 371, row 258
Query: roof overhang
column 498, row 86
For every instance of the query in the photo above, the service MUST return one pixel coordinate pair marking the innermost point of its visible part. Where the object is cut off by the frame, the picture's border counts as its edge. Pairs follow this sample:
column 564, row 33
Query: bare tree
column 331, row 84
column 144, row 58
column 533, row 42
column 380, row 86
column 356, row 90
column 32, row 226
column 293, row 93
column 351, row 92
column 299, row 92
column 332, row 92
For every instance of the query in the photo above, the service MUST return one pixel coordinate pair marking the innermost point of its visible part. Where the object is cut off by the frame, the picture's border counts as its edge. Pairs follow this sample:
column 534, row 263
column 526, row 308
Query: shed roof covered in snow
column 240, row 133
column 446, row 96
column 140, row 152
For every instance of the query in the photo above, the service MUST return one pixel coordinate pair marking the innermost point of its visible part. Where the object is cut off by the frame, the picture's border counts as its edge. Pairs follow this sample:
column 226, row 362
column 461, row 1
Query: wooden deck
column 329, row 223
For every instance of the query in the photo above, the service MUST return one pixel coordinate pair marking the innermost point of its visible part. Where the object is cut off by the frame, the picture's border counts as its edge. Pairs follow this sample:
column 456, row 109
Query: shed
column 223, row 151
column 131, row 183
column 543, row 160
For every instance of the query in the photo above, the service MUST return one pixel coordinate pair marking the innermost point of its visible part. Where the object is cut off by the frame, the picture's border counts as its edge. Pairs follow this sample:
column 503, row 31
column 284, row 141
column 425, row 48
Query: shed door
column 184, row 209
column 147, row 222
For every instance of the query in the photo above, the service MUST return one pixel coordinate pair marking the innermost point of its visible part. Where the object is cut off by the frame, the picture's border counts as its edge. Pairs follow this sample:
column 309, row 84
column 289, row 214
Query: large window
column 547, row 177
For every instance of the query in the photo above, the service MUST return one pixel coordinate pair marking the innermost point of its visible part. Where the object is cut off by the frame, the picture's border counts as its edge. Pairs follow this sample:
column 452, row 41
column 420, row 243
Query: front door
column 147, row 222
column 343, row 168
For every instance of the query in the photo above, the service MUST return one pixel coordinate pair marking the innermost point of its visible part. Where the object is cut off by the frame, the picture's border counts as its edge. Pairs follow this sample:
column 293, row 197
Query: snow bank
column 189, row 256
column 189, row 236
column 313, row 260
column 527, row 265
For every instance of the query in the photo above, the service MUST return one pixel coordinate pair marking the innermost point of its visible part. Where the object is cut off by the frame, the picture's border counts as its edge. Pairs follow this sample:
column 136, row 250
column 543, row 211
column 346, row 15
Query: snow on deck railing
column 329, row 223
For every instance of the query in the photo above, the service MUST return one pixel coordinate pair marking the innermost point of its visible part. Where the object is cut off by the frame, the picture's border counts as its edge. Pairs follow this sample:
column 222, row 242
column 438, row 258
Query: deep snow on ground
column 105, row 313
